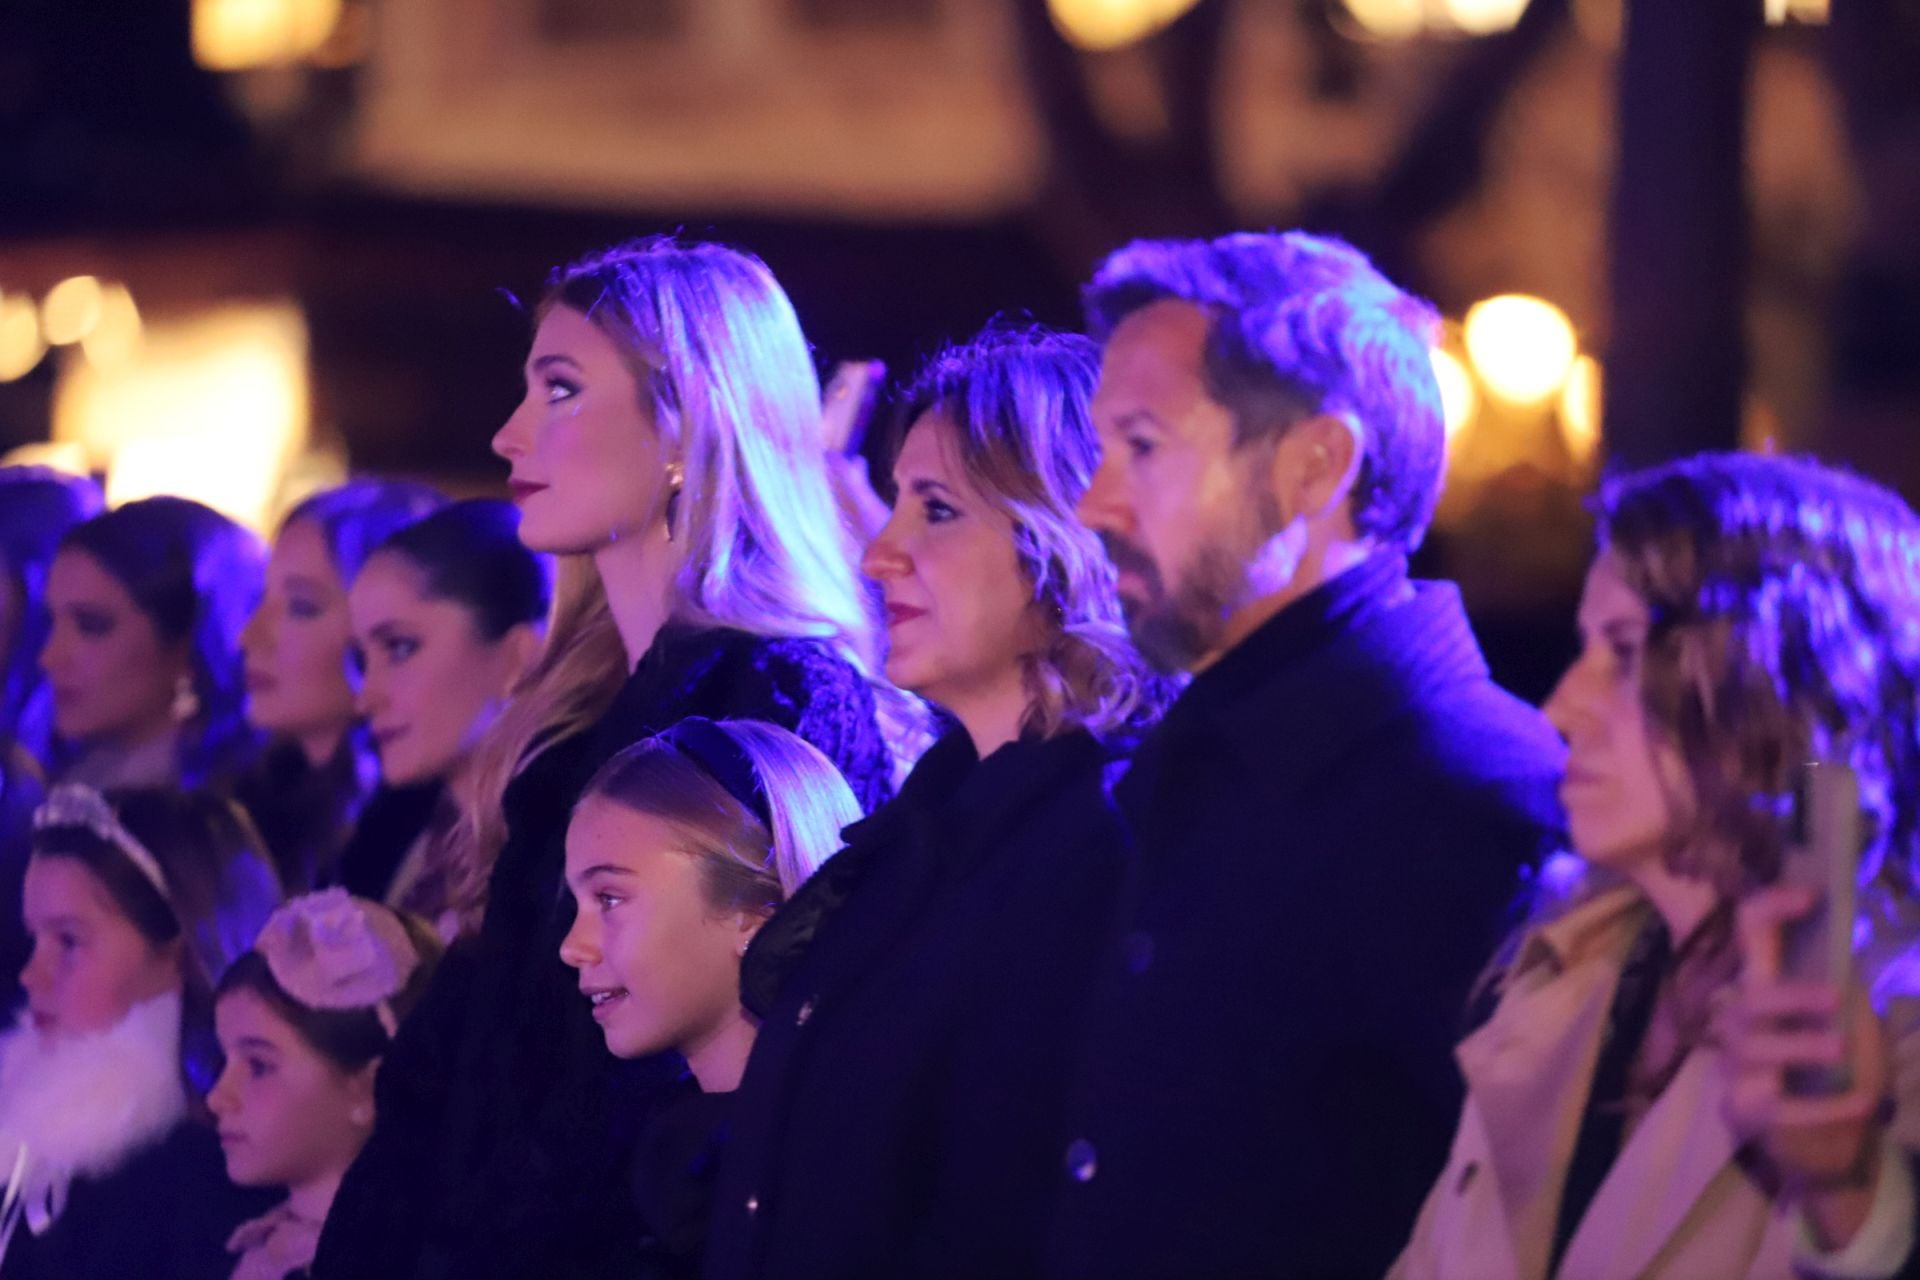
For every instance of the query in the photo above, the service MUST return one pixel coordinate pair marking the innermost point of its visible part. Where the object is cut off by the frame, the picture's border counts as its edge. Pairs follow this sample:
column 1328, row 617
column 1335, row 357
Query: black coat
column 903, row 1108
column 165, row 1214
column 1330, row 824
column 506, row 1130
column 392, row 821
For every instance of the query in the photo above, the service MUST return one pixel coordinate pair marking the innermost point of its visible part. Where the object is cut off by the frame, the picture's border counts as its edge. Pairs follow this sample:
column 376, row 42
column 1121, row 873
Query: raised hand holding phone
column 1808, row 1059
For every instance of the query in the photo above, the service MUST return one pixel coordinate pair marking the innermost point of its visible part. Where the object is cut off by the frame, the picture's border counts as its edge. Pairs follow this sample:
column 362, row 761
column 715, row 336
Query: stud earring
column 186, row 701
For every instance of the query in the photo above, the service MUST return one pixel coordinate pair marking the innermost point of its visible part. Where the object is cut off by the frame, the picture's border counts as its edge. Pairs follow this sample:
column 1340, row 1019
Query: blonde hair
column 725, row 375
column 745, row 864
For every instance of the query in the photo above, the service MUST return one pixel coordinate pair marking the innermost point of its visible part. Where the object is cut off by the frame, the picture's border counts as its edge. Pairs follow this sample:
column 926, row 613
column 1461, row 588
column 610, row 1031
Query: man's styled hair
column 1300, row 325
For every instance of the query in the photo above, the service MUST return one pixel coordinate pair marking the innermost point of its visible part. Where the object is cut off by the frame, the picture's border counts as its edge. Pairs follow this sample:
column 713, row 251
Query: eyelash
column 939, row 512
column 559, row 389
column 1139, row 447
column 258, row 1069
column 305, row 610
column 607, row 901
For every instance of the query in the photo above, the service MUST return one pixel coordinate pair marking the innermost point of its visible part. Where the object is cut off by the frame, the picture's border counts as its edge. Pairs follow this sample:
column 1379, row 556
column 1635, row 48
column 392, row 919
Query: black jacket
column 1329, row 827
column 903, row 1108
column 506, row 1130
column 165, row 1214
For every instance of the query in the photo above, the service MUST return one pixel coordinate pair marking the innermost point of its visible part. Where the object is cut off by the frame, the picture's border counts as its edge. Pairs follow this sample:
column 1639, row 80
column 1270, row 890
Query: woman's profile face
column 960, row 611
column 660, row 966
column 588, row 464
column 90, row 964
column 296, row 643
column 113, row 676
column 288, row 1115
column 1625, row 784
column 430, row 681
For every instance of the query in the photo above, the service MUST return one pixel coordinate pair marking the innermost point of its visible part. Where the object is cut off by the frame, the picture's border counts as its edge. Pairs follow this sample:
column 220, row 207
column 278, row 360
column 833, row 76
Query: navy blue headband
column 718, row 756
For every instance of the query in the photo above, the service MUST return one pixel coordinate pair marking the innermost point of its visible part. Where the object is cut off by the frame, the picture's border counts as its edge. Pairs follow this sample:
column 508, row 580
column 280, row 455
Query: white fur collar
column 84, row 1106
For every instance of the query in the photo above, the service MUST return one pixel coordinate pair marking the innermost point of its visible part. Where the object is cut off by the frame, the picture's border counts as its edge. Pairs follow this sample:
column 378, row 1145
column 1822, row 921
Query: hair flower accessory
column 330, row 950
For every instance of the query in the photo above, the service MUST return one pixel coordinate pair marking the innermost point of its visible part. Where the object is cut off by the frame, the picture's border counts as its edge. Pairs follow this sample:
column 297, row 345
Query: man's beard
column 1179, row 629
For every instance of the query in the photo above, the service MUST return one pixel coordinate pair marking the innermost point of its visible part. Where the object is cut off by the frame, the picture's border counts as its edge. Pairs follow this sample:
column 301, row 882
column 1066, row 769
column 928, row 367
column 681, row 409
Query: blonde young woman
column 1626, row 1112
column 668, row 452
column 900, row 1114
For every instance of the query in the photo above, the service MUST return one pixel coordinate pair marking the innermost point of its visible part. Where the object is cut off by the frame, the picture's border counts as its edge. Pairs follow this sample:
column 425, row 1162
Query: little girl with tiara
column 304, row 1019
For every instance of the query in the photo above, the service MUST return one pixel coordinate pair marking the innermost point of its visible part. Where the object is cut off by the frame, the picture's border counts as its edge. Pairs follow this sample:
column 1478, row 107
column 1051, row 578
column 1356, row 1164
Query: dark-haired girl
column 317, row 772
column 133, row 903
column 303, row 1019
column 143, row 655
column 447, row 618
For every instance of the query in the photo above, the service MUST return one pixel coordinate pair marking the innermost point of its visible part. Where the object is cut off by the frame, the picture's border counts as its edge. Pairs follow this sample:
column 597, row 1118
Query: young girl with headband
column 304, row 1019
column 132, row 903
column 680, row 847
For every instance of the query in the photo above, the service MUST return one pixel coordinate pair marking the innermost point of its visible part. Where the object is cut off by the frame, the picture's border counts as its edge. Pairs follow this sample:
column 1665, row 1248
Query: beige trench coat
column 1675, row 1205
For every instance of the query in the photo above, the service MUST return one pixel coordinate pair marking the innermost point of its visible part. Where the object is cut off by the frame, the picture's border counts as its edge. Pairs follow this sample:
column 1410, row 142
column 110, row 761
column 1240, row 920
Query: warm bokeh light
column 239, row 35
column 1458, row 396
column 1388, row 19
column 213, row 408
column 1522, row 347
column 1398, row 19
column 21, row 345
column 60, row 455
column 1580, row 410
column 115, row 338
column 71, row 310
column 1100, row 25
column 1781, row 12
column 1484, row 17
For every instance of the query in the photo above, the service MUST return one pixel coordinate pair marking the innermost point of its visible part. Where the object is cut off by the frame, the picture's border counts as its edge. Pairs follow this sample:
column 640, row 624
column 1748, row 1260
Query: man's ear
column 1316, row 465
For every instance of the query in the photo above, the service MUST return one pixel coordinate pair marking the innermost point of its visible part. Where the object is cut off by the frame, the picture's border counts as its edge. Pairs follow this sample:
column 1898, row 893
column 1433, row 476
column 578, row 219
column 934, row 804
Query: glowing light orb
column 1580, row 410
column 115, row 338
column 70, row 311
column 1388, row 19
column 240, row 35
column 1102, row 25
column 1484, row 17
column 1459, row 398
column 1522, row 347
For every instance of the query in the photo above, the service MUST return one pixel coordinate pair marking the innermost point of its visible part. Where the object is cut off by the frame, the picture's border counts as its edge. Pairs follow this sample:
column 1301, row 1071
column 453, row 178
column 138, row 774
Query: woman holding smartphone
column 1627, row 1113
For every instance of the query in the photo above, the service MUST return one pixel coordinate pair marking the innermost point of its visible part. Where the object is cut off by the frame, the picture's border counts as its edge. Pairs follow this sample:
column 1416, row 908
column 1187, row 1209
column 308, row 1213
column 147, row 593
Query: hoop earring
column 676, row 478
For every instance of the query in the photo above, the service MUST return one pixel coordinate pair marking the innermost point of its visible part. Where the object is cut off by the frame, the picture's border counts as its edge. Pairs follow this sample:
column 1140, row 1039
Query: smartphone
column 1822, row 854
column 846, row 406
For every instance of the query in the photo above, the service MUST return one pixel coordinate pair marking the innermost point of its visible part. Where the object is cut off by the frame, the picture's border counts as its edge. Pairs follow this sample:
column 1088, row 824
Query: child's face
column 90, row 964
column 289, row 1117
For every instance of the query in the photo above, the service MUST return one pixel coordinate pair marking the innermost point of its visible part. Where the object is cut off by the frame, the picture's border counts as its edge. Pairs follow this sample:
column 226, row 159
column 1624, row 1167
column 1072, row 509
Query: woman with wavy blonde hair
column 917, row 994
column 668, row 452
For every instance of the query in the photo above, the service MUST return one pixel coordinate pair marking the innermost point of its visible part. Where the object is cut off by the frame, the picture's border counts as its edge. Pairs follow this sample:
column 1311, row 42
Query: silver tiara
column 70, row 804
